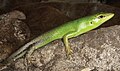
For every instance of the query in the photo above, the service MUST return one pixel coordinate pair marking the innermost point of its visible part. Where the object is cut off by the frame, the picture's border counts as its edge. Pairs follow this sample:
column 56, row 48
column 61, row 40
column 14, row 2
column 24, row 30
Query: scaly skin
column 65, row 31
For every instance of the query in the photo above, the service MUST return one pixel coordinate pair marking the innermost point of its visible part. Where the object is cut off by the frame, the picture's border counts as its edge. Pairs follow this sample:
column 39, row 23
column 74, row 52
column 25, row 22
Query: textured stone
column 12, row 33
column 97, row 50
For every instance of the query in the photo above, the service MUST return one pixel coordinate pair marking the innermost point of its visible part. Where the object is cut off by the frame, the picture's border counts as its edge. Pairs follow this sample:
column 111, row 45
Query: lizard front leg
column 69, row 51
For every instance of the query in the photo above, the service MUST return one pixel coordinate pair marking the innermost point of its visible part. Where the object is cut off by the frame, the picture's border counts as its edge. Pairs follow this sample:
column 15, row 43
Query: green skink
column 65, row 31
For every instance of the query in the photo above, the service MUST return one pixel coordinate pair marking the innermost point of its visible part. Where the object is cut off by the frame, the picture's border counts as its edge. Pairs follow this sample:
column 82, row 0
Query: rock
column 13, row 33
column 97, row 50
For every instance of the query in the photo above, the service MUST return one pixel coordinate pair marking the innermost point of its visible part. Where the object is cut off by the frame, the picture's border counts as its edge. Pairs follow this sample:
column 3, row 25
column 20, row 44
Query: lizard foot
column 69, row 52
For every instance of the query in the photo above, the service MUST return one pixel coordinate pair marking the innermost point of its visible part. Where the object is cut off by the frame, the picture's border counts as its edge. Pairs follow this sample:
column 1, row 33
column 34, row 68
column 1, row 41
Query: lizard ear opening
column 91, row 23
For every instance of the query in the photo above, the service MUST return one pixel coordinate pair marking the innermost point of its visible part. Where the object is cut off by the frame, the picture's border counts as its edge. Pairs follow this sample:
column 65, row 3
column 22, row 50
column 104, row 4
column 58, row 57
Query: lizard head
column 99, row 18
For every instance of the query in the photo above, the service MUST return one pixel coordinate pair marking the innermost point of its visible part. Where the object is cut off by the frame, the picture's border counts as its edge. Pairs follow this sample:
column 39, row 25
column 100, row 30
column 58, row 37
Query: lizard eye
column 101, row 16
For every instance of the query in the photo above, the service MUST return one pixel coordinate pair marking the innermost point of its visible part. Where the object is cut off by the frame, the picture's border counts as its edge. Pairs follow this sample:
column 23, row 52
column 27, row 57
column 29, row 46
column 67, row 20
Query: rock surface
column 98, row 50
column 12, row 33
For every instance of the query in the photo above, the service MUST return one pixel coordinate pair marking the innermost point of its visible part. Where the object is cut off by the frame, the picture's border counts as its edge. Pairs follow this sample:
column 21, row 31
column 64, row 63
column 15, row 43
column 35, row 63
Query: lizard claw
column 69, row 52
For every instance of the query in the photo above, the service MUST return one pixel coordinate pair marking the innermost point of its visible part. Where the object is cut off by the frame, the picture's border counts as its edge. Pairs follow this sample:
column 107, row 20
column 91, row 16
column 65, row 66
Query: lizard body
column 65, row 31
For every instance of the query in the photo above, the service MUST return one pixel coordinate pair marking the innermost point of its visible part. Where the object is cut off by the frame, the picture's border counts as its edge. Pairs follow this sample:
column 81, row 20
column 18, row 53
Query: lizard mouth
column 109, row 15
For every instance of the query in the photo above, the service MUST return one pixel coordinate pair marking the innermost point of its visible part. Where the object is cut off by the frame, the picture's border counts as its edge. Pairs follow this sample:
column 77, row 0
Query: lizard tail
column 33, row 44
column 19, row 53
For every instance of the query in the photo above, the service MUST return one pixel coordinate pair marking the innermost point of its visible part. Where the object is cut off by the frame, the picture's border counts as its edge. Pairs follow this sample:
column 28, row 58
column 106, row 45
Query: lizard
column 66, row 31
